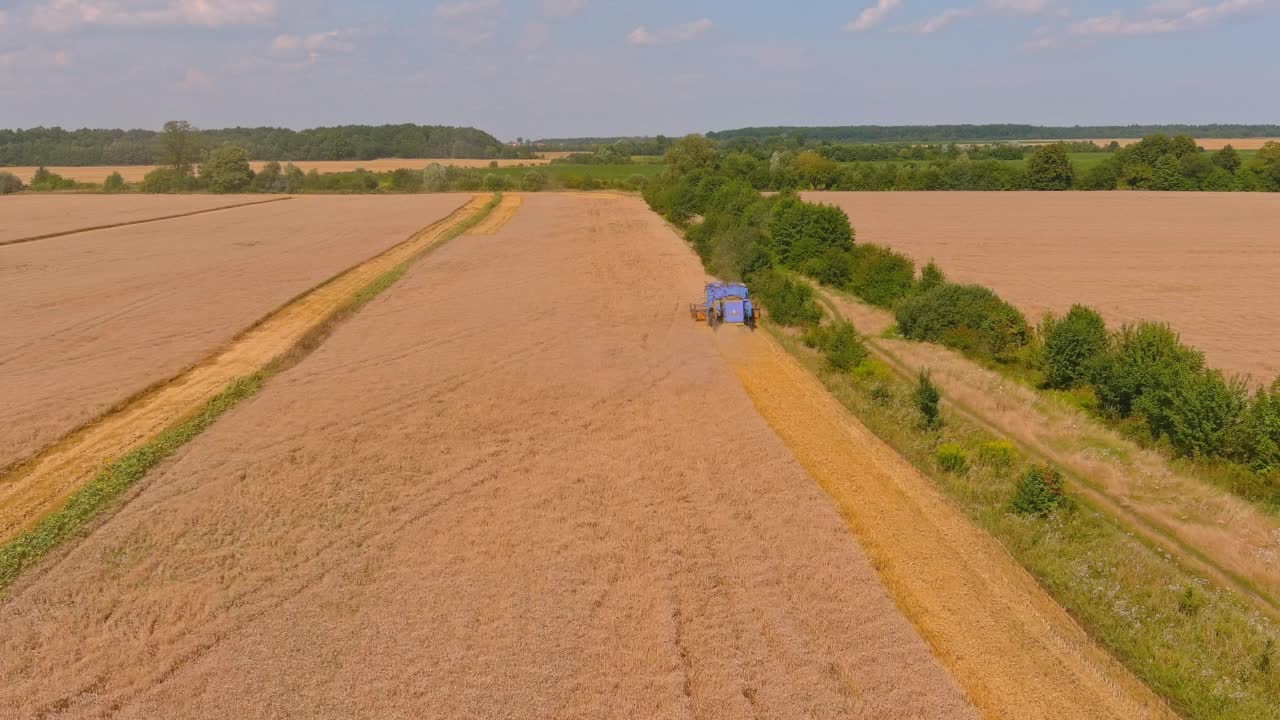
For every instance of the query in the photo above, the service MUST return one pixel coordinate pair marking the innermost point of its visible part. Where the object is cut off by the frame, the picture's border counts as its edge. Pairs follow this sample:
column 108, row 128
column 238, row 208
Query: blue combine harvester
column 726, row 303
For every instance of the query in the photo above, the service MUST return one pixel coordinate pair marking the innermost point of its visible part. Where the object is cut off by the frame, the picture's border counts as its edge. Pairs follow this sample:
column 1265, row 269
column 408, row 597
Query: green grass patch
column 1200, row 646
column 118, row 476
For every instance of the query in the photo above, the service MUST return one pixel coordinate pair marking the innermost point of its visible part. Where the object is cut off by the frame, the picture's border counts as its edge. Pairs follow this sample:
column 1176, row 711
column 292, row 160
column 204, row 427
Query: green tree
column 10, row 183
column 114, row 183
column 435, row 178
column 1227, row 158
column 164, row 180
column 1199, row 413
column 927, row 396
column 533, row 181
column 1266, row 166
column 930, row 277
column 802, row 231
column 1039, row 492
column 1103, row 176
column 178, row 147
column 1167, row 174
column 814, row 171
column 691, row 154
column 1049, row 168
column 1071, row 344
column 1257, row 438
column 1142, row 361
column 268, row 179
column 226, row 170
column 844, row 348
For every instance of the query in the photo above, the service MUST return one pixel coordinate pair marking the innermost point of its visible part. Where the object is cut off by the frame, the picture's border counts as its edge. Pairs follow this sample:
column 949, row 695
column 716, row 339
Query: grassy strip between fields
column 1200, row 646
column 116, row 477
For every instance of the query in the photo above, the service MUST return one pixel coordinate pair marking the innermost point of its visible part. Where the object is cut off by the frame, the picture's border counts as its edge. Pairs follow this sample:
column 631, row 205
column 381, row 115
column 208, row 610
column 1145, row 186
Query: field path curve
column 1016, row 652
column 38, row 485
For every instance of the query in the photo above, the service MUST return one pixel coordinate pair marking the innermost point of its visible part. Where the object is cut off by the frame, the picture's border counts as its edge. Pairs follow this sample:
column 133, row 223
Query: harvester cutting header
column 726, row 303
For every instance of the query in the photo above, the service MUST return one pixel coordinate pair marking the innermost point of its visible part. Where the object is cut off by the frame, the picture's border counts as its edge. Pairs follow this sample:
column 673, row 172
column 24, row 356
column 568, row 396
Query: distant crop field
column 1204, row 262
column 1206, row 143
column 135, row 173
column 598, row 172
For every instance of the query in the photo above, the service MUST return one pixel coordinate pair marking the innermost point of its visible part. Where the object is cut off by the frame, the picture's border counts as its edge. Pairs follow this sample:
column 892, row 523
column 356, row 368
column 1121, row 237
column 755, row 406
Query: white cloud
column 1164, row 17
column 467, row 22
column 59, row 15
column 670, row 35
column 563, row 8
column 986, row 7
column 195, row 81
column 315, row 43
column 870, row 17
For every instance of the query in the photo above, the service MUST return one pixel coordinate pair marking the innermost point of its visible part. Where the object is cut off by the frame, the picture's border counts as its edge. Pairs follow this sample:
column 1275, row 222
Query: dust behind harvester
column 726, row 303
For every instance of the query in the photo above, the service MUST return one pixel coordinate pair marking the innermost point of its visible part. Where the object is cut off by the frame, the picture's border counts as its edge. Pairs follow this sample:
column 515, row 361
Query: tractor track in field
column 1017, row 653
column 141, row 221
column 36, row 486
column 500, row 215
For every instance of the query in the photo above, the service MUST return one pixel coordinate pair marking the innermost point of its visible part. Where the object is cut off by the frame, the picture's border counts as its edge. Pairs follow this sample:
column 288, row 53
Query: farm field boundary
column 1009, row 644
column 494, row 221
column 1207, row 529
column 47, row 498
column 91, row 228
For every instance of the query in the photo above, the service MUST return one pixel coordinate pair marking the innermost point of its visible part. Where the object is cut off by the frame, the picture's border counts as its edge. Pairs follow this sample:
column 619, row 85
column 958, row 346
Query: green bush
column 1071, row 345
column 406, row 181
column 435, row 178
column 165, row 180
column 1256, row 440
column 844, row 348
column 494, row 183
column 1039, row 492
column 879, row 275
column 1198, row 413
column 997, row 454
column 10, row 183
column 802, row 231
column 952, row 458
column 1147, row 359
column 788, row 302
column 927, row 396
column 533, row 181
column 930, row 277
column 226, row 170
column 43, row 181
column 1049, row 168
column 114, row 183
column 970, row 318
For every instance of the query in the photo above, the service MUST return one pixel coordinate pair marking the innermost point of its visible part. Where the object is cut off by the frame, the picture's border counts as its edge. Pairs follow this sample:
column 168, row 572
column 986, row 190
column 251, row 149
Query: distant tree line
column 56, row 146
column 628, row 145
column 997, row 132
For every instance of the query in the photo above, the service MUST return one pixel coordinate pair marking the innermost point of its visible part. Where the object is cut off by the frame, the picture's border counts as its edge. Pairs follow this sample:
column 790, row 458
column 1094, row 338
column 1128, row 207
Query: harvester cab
column 726, row 303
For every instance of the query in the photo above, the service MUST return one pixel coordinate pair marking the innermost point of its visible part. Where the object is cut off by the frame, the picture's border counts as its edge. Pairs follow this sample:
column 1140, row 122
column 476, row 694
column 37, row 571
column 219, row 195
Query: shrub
column 1103, row 176
column 226, row 170
column 830, row 268
column 927, row 396
column 405, row 180
column 43, row 180
column 844, row 348
column 879, row 275
column 494, row 183
column 1146, row 359
column 1197, row 413
column 164, row 180
column 789, row 302
column 435, row 178
column 997, row 454
column 637, row 182
column 970, row 318
column 114, row 183
column 930, row 277
column 952, row 458
column 802, row 231
column 1256, row 440
column 1049, row 168
column 1071, row 345
column 1039, row 492
column 533, row 181
column 10, row 183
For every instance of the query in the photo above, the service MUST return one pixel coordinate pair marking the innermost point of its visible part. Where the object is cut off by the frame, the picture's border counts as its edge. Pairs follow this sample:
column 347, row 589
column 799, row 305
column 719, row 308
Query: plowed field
column 506, row 490
column 26, row 216
column 1205, row 262
column 92, row 318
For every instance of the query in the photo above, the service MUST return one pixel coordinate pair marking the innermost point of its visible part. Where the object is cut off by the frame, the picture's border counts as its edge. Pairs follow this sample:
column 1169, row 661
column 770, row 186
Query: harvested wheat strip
column 500, row 215
column 41, row 484
column 1016, row 652
column 126, row 223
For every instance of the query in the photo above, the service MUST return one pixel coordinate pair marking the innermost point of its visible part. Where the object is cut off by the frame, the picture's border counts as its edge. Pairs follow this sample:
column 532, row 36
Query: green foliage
column 927, row 395
column 1198, row 413
column 930, row 277
column 1049, row 168
column 178, row 146
column 533, row 181
column 843, row 347
column 406, row 180
column 1071, row 345
column 494, row 183
column 1039, row 493
column 789, row 302
column 114, row 183
column 1228, row 159
column 1142, row 361
column 999, row 455
column 1265, row 167
column 165, row 180
column 879, row 275
column 226, row 170
column 45, row 181
column 1167, row 174
column 970, row 318
column 269, row 179
column 10, row 183
column 952, row 458
column 435, row 178
column 1102, row 176
column 801, row 231
column 691, row 154
column 1257, row 438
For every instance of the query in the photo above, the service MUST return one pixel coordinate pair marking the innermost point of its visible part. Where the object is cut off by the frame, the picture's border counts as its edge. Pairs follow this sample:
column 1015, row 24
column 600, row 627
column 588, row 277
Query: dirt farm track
column 1206, row 263
column 489, row 493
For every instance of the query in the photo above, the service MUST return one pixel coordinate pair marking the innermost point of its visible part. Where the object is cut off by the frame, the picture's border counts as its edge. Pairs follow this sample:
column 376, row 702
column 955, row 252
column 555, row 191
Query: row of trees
column 985, row 133
column 1141, row 375
column 56, row 146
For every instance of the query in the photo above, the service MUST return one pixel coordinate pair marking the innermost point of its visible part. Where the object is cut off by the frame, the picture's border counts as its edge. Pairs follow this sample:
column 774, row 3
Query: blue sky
column 543, row 68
